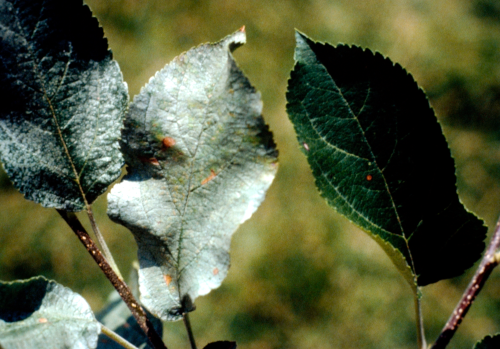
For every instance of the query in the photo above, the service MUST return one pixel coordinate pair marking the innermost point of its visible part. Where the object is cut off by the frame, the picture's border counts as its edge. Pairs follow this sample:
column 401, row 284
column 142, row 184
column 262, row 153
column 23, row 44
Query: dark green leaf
column 379, row 157
column 38, row 313
column 200, row 161
column 63, row 101
column 489, row 342
column 221, row 345
column 117, row 317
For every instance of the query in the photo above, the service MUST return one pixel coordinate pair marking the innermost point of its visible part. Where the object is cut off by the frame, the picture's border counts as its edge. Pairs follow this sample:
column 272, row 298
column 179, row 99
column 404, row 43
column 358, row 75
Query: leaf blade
column 488, row 342
column 65, row 99
column 221, row 345
column 39, row 313
column 200, row 161
column 362, row 119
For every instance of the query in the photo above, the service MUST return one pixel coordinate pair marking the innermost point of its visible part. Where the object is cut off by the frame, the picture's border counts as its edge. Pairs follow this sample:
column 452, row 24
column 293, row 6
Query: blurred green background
column 301, row 275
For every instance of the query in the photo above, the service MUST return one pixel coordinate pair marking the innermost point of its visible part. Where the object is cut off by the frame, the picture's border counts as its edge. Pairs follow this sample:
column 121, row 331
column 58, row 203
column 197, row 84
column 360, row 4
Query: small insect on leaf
column 306, row 147
column 43, row 320
column 215, row 271
column 168, row 142
column 369, row 177
column 209, row 178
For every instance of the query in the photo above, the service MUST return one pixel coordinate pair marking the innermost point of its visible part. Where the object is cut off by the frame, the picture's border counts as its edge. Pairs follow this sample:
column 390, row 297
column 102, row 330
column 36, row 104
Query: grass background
column 301, row 276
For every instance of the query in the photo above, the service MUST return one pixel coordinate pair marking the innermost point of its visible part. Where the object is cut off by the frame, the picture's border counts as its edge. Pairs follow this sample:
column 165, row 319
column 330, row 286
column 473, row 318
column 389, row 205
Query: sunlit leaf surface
column 38, row 313
column 63, row 101
column 200, row 161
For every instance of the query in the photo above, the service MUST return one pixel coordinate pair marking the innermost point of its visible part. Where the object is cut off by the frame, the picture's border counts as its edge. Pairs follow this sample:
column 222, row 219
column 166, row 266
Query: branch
column 489, row 262
column 120, row 286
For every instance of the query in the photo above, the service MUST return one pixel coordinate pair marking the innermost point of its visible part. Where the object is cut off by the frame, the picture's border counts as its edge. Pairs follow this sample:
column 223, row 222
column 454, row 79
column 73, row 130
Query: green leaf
column 221, row 345
column 117, row 317
column 489, row 342
column 200, row 161
column 379, row 158
column 63, row 102
column 39, row 313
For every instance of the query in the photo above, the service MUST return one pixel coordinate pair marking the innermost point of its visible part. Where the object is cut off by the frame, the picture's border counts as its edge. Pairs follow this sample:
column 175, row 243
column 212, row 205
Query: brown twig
column 489, row 262
column 120, row 286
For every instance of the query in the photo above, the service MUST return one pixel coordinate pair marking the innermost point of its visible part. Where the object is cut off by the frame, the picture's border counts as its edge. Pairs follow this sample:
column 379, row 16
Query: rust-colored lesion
column 167, row 143
column 209, row 178
column 168, row 279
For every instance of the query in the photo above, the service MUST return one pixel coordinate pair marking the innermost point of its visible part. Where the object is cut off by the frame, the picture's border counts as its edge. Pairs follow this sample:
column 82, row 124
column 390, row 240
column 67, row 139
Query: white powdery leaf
column 200, row 162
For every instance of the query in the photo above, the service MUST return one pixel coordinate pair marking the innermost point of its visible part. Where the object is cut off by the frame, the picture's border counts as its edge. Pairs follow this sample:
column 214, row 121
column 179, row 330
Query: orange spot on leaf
column 216, row 271
column 168, row 279
column 369, row 177
column 168, row 142
column 209, row 178
column 43, row 320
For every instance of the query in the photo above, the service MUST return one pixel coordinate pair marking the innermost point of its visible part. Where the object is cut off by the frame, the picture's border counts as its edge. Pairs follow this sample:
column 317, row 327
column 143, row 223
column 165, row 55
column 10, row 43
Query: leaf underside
column 38, row 313
column 200, row 159
column 380, row 158
column 63, row 102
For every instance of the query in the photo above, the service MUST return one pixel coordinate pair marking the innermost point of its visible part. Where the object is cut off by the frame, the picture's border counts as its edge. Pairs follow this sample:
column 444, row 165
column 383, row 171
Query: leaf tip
column 300, row 38
column 299, row 35
column 303, row 46
column 235, row 40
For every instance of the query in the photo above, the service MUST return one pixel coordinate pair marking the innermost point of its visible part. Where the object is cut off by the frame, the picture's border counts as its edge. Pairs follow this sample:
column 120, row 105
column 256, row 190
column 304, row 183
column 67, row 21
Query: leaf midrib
column 191, row 172
column 335, row 187
column 37, row 73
